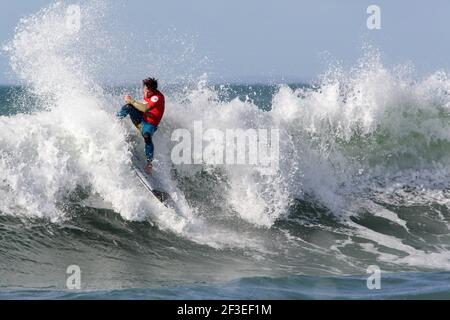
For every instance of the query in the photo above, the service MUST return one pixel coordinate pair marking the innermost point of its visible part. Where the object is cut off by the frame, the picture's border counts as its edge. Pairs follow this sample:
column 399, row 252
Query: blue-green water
column 399, row 286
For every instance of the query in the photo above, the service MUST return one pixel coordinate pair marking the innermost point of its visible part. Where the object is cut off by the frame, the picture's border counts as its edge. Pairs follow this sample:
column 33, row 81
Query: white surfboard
column 152, row 185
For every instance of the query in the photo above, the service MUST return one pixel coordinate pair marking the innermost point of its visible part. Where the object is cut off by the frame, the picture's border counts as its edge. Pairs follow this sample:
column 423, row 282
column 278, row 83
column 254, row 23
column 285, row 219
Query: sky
column 290, row 40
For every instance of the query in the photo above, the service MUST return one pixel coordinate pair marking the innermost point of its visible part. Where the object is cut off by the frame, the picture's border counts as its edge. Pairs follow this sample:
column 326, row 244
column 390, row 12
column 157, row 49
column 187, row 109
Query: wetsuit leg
column 135, row 115
column 147, row 132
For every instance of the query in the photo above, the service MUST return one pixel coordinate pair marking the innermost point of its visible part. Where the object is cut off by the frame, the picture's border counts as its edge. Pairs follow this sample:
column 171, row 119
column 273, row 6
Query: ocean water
column 363, row 180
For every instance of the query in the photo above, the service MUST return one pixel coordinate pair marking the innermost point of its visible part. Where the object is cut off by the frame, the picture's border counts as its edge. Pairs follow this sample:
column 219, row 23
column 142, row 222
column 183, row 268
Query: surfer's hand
column 128, row 99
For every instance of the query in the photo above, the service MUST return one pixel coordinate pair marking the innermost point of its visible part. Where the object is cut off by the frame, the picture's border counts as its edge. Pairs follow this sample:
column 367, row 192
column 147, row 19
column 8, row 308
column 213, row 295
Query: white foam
column 77, row 141
column 338, row 140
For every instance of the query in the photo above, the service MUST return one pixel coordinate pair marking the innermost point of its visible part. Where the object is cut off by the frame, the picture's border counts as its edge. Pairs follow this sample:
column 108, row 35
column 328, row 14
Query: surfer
column 146, row 115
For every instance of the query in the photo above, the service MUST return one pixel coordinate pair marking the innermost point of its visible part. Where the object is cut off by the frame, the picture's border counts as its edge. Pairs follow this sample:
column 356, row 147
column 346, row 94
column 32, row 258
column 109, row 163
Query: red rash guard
column 156, row 106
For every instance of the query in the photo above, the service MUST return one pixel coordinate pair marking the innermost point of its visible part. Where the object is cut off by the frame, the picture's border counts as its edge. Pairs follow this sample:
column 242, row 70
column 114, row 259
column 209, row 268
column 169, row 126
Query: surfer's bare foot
column 148, row 168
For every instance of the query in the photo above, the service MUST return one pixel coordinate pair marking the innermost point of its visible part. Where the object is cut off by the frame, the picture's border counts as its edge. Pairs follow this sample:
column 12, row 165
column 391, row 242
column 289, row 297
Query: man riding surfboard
column 146, row 115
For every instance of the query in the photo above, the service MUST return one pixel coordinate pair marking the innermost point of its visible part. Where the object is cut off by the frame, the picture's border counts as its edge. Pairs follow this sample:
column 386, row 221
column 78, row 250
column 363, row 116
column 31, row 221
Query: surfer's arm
column 143, row 107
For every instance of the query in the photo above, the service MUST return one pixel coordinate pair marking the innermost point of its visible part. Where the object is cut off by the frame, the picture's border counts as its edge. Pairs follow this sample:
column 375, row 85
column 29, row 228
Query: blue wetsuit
column 147, row 129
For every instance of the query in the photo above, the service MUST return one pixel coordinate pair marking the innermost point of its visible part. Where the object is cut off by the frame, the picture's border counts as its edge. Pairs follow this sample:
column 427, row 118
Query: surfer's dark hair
column 151, row 83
